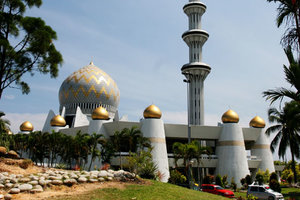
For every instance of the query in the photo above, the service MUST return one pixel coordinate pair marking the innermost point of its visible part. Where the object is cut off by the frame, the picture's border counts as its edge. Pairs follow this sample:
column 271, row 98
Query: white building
column 89, row 100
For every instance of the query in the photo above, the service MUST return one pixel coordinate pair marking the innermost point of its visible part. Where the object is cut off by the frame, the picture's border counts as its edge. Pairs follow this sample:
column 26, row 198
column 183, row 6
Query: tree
column 4, row 123
column 289, row 13
column 26, row 45
column 117, row 140
column 292, row 76
column 286, row 129
column 132, row 135
column 94, row 141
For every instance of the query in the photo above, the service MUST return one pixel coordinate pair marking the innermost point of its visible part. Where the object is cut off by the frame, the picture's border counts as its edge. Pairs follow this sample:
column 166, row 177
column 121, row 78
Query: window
column 254, row 189
column 261, row 189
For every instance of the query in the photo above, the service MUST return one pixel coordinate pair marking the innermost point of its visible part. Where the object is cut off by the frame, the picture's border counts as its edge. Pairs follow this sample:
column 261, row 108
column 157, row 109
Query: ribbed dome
column 230, row 117
column 89, row 88
column 257, row 122
column 26, row 126
column 152, row 111
column 58, row 121
column 100, row 113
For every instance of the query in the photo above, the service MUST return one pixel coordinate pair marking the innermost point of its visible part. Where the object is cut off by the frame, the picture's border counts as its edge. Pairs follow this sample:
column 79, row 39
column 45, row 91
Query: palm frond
column 279, row 94
column 273, row 129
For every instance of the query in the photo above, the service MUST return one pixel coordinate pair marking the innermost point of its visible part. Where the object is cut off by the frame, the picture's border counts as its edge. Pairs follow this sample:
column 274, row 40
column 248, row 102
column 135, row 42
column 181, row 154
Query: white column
column 154, row 130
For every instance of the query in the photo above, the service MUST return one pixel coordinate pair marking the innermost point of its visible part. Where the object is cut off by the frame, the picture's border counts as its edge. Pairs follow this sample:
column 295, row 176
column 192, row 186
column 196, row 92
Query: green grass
column 154, row 191
column 288, row 193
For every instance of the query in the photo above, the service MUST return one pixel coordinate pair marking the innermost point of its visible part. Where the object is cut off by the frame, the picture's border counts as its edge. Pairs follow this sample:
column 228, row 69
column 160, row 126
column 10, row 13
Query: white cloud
column 16, row 119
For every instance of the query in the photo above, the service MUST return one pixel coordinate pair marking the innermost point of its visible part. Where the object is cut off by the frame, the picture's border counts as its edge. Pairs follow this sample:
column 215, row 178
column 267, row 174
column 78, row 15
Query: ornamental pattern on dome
column 89, row 88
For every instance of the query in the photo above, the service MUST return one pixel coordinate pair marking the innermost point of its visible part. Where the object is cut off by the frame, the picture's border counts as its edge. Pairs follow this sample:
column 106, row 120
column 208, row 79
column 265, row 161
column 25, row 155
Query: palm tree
column 287, row 131
column 94, row 141
column 201, row 150
column 117, row 140
column 288, row 12
column 132, row 135
column 4, row 123
column 292, row 76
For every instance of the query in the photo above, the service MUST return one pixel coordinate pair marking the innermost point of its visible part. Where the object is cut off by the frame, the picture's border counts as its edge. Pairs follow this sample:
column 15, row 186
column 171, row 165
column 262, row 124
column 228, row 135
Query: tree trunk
column 293, row 166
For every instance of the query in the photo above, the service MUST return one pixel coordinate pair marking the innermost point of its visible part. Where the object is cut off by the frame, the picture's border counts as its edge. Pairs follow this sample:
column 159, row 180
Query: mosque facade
column 89, row 100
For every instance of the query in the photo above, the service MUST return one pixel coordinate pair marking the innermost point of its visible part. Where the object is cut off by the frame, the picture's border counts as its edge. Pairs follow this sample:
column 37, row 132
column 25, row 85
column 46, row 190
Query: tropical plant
column 117, row 140
column 176, row 177
column 286, row 129
column 141, row 163
column 26, row 45
column 292, row 76
column 132, row 135
column 289, row 13
column 4, row 123
column 219, row 180
column 94, row 142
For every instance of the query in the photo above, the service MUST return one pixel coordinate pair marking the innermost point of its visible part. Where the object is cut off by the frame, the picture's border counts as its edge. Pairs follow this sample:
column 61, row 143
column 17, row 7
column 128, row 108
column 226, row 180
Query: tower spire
column 195, row 71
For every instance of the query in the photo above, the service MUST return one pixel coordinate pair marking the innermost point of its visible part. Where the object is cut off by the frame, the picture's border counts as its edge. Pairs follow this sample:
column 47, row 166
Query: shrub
column 243, row 181
column 141, row 163
column 208, row 179
column 224, row 180
column 274, row 185
column 251, row 197
column 233, row 184
column 176, row 177
column 259, row 178
column 248, row 179
column 26, row 163
column 219, row 180
column 273, row 176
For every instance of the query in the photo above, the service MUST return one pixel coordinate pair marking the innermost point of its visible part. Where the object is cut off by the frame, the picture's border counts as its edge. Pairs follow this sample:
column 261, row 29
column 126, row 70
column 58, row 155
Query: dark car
column 216, row 189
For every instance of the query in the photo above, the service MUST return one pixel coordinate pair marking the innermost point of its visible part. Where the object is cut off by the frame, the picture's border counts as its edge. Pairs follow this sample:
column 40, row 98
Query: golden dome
column 100, row 113
column 230, row 117
column 9, row 132
column 257, row 122
column 58, row 121
column 152, row 111
column 26, row 126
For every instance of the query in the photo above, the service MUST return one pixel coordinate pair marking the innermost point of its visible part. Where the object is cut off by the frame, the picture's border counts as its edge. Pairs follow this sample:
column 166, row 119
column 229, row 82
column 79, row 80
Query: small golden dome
column 100, row 113
column 230, row 117
column 9, row 132
column 152, row 111
column 58, row 121
column 26, row 126
column 257, row 122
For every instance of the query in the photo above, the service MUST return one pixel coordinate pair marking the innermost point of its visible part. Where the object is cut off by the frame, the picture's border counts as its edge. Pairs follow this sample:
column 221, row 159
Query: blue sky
column 138, row 42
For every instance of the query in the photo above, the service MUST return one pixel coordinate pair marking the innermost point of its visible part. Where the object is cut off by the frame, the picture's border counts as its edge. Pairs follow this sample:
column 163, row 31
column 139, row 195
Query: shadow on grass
column 292, row 196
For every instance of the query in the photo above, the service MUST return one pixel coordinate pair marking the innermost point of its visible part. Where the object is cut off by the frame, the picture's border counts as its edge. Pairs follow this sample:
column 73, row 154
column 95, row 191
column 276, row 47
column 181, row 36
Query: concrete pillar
column 154, row 130
column 231, row 152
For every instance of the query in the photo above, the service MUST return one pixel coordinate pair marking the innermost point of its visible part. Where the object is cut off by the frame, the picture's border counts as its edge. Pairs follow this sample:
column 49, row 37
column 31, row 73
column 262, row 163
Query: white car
column 264, row 192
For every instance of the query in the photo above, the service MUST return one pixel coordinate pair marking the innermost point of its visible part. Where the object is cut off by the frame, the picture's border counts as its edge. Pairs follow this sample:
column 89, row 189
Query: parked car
column 264, row 192
column 216, row 189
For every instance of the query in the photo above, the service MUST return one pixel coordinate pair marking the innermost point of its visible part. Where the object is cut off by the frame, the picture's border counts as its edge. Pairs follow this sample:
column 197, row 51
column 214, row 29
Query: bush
column 274, row 185
column 224, row 180
column 233, row 184
column 176, row 177
column 26, row 163
column 259, row 178
column 248, row 179
column 219, row 180
column 208, row 179
column 273, row 176
column 141, row 163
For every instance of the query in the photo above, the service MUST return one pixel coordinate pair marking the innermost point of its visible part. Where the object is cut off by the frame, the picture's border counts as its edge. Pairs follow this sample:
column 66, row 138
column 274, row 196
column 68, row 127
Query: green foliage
column 251, row 197
column 274, row 185
column 208, row 179
column 248, row 179
column 224, row 180
column 26, row 45
column 262, row 176
column 233, row 185
column 176, row 177
column 141, row 163
column 259, row 178
column 4, row 123
column 219, row 180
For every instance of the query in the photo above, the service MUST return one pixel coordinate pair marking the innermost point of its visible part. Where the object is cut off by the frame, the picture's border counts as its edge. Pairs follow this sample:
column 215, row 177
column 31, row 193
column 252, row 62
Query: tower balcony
column 195, row 35
column 196, row 68
column 194, row 7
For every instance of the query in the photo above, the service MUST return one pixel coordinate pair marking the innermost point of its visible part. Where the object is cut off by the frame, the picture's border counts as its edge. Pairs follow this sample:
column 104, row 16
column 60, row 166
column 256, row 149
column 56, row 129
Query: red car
column 216, row 189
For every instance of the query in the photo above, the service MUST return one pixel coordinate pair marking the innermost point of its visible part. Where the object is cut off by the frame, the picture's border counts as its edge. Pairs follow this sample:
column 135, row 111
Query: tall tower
column 195, row 71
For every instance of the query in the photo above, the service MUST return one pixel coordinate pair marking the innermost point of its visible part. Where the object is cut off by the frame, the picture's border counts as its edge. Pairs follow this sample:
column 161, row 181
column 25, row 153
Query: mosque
column 89, row 100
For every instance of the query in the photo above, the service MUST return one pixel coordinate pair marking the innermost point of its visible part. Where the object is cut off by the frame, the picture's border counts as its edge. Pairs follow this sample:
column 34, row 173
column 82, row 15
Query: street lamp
column 188, row 106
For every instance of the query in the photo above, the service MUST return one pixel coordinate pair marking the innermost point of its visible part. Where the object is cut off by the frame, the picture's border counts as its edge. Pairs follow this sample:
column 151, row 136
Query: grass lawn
column 288, row 193
column 154, row 191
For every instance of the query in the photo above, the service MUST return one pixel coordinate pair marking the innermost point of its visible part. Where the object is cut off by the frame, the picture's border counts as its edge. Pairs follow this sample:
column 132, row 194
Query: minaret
column 195, row 71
